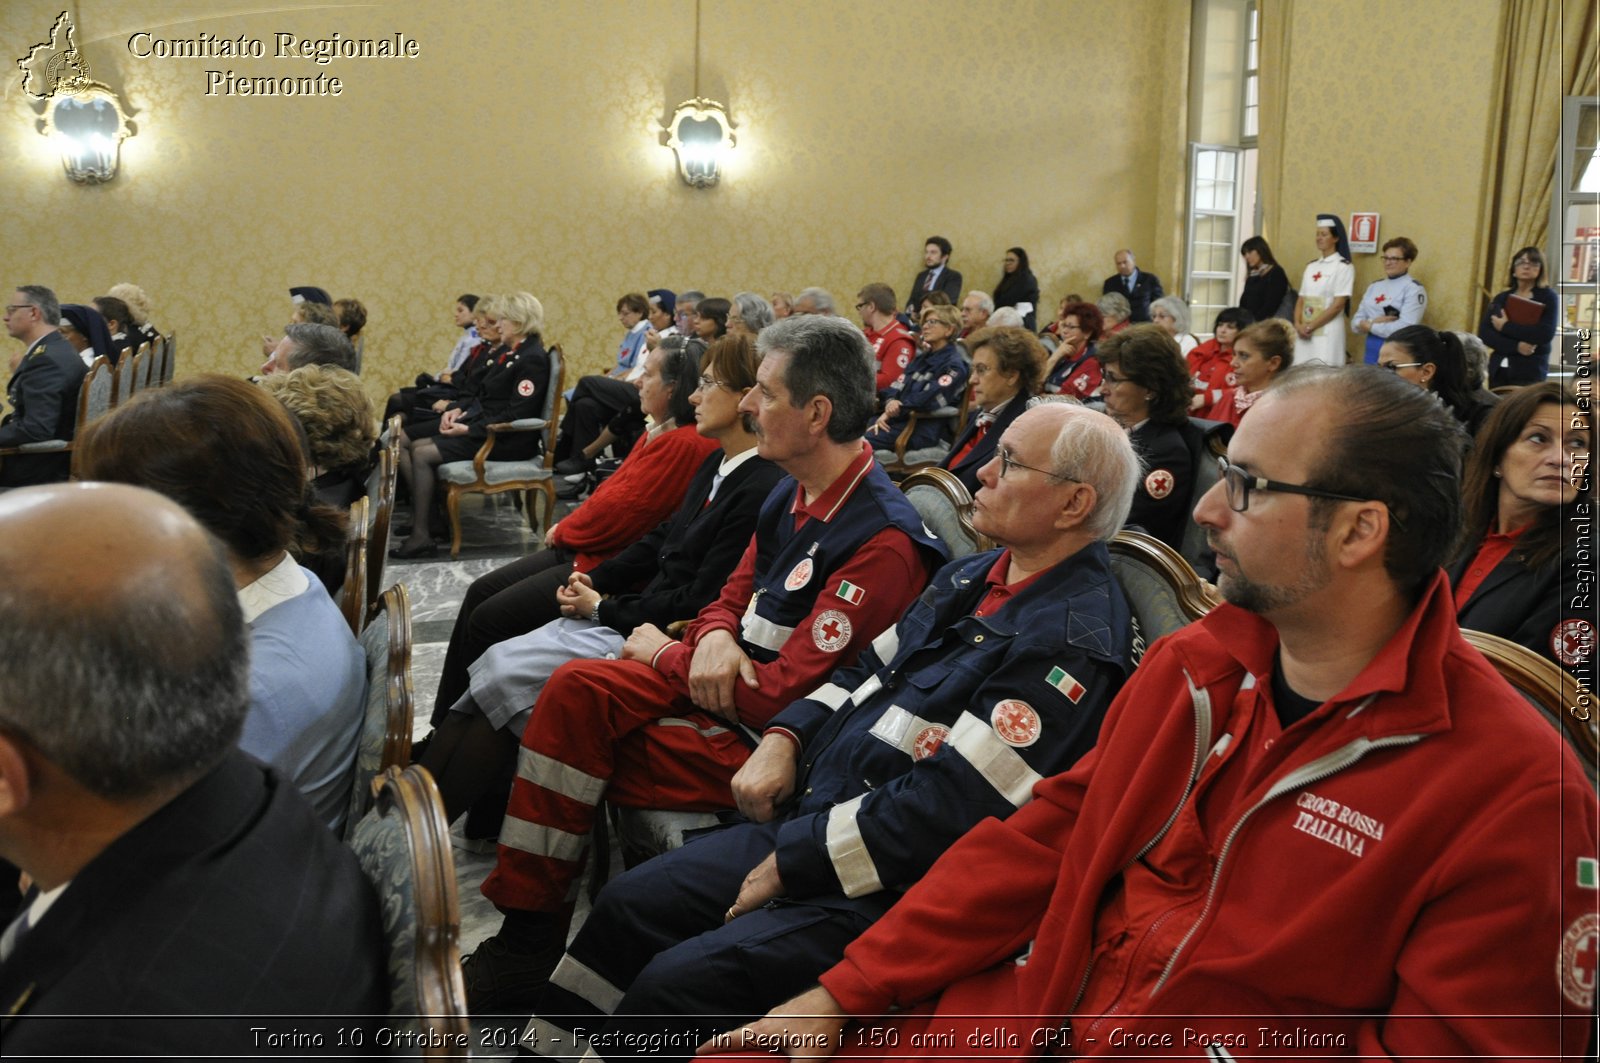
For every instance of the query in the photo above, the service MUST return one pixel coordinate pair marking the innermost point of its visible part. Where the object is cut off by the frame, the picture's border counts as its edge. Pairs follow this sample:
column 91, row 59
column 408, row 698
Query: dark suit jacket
column 1527, row 606
column 949, row 282
column 44, row 402
column 967, row 470
column 1146, row 289
column 232, row 900
column 685, row 561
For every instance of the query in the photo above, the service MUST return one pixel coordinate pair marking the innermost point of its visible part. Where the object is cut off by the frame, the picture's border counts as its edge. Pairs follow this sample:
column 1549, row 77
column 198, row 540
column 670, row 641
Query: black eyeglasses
column 1395, row 367
column 1239, row 484
column 1007, row 463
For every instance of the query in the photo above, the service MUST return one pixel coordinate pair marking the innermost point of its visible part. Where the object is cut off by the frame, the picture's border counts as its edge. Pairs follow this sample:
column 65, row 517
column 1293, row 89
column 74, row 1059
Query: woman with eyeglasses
column 668, row 575
column 1527, row 473
column 1146, row 389
column 1072, row 368
column 1435, row 361
column 1018, row 286
column 1521, row 349
column 1260, row 353
column 1007, row 364
column 936, row 378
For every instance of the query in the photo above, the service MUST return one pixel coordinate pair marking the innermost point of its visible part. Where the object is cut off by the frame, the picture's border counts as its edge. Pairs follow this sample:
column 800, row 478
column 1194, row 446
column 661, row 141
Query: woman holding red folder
column 1519, row 334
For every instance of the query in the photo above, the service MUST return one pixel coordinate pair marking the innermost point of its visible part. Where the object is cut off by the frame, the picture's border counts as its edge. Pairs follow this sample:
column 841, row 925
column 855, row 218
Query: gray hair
column 828, row 356
column 1093, row 449
column 985, row 301
column 1176, row 308
column 820, row 298
column 43, row 298
column 1477, row 353
column 1006, row 317
column 754, row 311
column 1114, row 304
column 134, row 692
column 319, row 345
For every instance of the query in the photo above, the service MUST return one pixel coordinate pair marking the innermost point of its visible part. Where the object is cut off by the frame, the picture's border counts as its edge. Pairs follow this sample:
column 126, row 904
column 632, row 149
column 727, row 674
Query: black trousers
column 599, row 402
column 510, row 601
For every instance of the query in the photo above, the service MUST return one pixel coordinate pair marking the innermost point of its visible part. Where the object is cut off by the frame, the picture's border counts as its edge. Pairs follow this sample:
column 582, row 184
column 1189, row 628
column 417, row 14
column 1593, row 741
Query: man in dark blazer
column 43, row 391
column 171, row 875
column 937, row 277
column 1140, row 288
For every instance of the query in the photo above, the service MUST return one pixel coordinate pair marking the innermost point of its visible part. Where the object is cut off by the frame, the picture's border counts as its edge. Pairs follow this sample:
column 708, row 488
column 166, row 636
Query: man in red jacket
column 1316, row 819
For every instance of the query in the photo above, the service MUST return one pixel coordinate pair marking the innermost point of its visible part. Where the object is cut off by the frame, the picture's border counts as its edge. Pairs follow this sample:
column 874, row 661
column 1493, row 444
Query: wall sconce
column 699, row 133
column 87, row 127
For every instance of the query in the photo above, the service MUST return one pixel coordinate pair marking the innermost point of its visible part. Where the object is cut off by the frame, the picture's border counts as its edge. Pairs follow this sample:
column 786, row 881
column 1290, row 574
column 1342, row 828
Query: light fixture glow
column 87, row 128
column 700, row 132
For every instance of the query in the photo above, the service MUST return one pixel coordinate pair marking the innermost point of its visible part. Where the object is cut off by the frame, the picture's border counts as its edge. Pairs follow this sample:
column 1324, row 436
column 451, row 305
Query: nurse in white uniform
column 1325, row 287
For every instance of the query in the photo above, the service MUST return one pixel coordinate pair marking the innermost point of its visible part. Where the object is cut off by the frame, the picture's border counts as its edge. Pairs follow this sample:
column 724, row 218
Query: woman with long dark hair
column 1018, row 286
column 1528, row 471
column 1266, row 285
column 1436, row 362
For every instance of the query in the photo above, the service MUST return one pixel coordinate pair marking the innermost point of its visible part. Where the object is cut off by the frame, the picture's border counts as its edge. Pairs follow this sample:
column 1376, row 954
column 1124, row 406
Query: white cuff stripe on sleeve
column 858, row 875
column 999, row 764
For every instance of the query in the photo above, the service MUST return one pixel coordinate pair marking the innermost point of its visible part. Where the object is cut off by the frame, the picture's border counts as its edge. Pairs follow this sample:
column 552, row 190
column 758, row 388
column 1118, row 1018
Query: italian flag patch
column 850, row 592
column 1588, row 873
column 1062, row 680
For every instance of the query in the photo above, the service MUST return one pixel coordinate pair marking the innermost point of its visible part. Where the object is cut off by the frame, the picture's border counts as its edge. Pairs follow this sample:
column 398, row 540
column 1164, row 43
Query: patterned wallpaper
column 517, row 152
column 1402, row 135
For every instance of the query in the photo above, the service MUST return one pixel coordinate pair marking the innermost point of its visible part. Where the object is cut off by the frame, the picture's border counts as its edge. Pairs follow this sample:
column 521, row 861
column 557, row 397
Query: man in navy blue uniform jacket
column 997, row 676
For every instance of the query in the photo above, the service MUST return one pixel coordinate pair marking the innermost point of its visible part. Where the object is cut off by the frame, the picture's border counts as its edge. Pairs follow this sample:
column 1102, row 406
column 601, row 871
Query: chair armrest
column 43, row 446
column 521, row 424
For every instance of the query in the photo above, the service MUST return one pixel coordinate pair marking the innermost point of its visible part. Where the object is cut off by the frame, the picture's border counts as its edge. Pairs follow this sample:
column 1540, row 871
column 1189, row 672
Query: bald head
column 124, row 642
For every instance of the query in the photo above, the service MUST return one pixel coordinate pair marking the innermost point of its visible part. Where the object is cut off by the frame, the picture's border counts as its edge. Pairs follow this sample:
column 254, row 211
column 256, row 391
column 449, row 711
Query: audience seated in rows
column 837, row 555
column 1006, row 367
column 645, row 490
column 304, row 344
column 975, row 310
column 433, row 395
column 332, row 409
column 1526, row 477
column 309, row 306
column 670, row 574
column 512, row 386
column 603, row 409
column 43, row 390
column 440, row 387
column 230, row 454
column 351, row 318
column 86, row 330
column 935, row 379
column 1436, row 362
column 1172, row 314
column 994, row 679
column 893, row 346
column 1211, row 363
column 750, row 314
column 1114, row 312
column 171, row 874
column 138, row 312
column 815, row 301
column 119, row 322
column 1072, row 368
column 1146, row 389
column 1393, row 809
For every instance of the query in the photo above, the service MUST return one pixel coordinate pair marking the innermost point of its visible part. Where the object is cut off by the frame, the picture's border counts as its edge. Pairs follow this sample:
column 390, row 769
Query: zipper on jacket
column 1316, row 771
column 1201, row 698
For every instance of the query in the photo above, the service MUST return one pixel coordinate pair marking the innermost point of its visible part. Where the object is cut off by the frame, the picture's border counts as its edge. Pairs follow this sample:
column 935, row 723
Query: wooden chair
column 483, row 476
column 946, row 508
column 385, row 740
column 149, row 375
column 380, row 503
column 169, row 358
column 94, row 399
column 353, row 594
column 125, row 375
column 403, row 845
column 905, row 461
column 1162, row 590
column 1561, row 699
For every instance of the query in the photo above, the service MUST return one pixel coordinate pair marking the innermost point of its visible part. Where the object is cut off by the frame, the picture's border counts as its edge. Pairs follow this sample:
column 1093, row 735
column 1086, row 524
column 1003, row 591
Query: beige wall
column 517, row 153
column 1404, row 137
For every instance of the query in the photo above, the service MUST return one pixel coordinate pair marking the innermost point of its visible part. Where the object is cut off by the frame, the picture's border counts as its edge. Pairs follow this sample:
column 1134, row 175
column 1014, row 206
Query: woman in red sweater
column 644, row 491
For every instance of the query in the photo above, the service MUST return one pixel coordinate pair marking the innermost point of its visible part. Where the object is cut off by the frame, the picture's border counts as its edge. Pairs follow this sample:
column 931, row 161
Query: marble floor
column 493, row 533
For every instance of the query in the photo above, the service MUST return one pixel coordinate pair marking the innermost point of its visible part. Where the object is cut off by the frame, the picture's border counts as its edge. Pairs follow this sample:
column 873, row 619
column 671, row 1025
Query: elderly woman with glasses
column 936, row 378
column 1146, row 390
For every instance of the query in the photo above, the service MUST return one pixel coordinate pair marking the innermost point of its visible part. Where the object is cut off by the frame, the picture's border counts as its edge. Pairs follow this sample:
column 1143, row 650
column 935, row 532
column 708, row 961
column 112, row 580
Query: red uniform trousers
column 602, row 729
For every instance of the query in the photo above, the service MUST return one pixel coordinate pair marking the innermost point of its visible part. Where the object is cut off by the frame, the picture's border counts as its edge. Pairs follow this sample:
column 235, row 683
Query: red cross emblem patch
column 946, row 380
column 1159, row 483
column 1580, row 949
column 1015, row 722
column 1572, row 641
column 830, row 631
column 799, row 576
column 1317, row 275
column 928, row 741
column 1380, row 298
column 525, row 388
